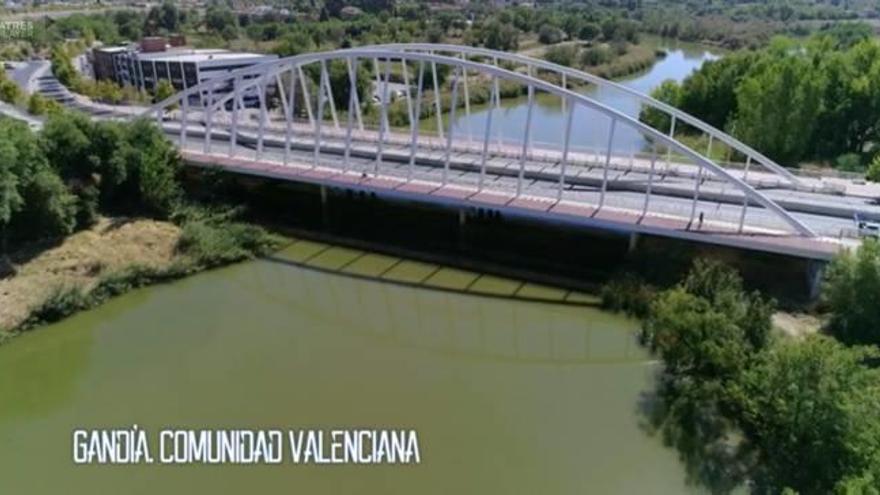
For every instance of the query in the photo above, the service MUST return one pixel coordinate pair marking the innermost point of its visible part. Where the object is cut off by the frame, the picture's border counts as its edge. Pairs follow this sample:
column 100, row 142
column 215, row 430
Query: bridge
column 308, row 119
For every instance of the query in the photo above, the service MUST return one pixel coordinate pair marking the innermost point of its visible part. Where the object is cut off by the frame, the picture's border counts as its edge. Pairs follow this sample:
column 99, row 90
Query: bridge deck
column 457, row 195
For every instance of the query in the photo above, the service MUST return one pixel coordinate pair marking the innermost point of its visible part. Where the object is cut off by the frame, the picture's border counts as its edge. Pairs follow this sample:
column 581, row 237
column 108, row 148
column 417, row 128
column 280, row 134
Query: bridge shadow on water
column 444, row 310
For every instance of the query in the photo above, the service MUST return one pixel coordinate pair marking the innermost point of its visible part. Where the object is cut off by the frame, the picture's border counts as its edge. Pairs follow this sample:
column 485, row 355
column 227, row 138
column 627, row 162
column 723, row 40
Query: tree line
column 746, row 407
column 817, row 100
column 61, row 179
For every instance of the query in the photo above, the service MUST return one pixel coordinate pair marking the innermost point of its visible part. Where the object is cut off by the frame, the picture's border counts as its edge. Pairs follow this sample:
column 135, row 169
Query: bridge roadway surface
column 622, row 210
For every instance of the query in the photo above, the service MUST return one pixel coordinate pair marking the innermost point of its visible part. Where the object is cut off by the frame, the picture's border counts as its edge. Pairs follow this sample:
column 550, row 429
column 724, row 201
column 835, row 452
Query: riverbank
column 46, row 282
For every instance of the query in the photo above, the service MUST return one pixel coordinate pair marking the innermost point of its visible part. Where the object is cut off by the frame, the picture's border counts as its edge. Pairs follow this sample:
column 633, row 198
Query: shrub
column 60, row 303
column 563, row 55
column 211, row 237
column 873, row 173
column 550, row 35
column 628, row 294
column 852, row 284
column 596, row 55
column 849, row 162
column 9, row 92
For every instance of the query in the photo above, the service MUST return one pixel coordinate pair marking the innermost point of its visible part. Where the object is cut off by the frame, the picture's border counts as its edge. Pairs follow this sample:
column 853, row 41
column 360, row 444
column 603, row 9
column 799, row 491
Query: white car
column 869, row 229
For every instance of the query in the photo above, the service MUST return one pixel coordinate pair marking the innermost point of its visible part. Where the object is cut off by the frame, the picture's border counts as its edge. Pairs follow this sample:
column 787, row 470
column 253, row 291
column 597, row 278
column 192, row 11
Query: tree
column 710, row 92
column 563, row 55
column 709, row 326
column 852, row 283
column 873, row 173
column 34, row 203
column 550, row 35
column 778, row 106
column 165, row 17
column 163, row 91
column 222, row 21
column 847, row 34
column 596, row 55
column 141, row 175
column 294, row 43
column 809, row 414
column 589, row 31
column 668, row 92
column 10, row 198
column 9, row 91
column 498, row 36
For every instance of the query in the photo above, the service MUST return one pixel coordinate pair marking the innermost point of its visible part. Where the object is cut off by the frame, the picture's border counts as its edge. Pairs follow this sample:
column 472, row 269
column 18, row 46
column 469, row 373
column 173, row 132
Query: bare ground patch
column 797, row 325
column 81, row 260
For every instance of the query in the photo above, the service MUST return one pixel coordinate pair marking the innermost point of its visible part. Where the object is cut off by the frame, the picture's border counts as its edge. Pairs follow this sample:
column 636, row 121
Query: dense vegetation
column 742, row 405
column 59, row 181
column 292, row 27
column 851, row 293
column 810, row 101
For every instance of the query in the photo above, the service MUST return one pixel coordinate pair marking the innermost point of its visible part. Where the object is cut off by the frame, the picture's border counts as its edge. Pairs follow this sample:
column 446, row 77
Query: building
column 153, row 60
column 106, row 62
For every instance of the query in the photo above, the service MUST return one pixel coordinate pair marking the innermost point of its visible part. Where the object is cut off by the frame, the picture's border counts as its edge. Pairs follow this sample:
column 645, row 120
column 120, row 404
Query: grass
column 638, row 57
column 81, row 260
column 93, row 266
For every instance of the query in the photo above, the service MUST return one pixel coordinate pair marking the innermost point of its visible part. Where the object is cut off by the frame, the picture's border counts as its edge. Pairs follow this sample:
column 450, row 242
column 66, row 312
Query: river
column 589, row 127
column 507, row 396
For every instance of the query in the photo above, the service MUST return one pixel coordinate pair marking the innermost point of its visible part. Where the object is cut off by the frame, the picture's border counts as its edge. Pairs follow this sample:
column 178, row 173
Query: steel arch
column 674, row 113
column 266, row 71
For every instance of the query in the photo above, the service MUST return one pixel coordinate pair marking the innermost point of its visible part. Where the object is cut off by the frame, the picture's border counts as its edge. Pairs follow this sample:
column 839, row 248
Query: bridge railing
column 569, row 77
column 323, row 116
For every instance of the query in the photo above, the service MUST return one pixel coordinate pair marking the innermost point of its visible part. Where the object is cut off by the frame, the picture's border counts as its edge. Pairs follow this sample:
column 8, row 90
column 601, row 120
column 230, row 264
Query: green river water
column 507, row 396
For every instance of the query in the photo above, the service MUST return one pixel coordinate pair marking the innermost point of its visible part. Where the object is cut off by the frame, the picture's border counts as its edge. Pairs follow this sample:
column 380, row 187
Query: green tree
column 778, row 106
column 809, row 414
column 10, row 198
column 709, row 326
column 550, row 35
column 852, row 284
column 164, row 18
column 589, row 31
column 710, row 92
column 498, row 36
column 34, row 203
column 873, row 173
column 145, row 168
column 9, row 91
column 668, row 92
column 222, row 21
column 163, row 91
column 294, row 43
column 563, row 55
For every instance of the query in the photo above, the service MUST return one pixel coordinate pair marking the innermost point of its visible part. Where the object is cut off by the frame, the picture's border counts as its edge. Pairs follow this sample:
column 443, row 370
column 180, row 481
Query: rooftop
column 199, row 55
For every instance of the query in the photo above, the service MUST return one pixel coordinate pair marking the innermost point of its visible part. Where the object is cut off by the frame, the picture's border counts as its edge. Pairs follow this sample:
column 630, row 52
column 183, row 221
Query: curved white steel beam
column 587, row 77
column 273, row 68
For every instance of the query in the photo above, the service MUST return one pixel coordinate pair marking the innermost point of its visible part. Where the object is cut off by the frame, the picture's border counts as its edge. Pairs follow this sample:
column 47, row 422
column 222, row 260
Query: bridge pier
column 325, row 213
column 633, row 242
column 815, row 276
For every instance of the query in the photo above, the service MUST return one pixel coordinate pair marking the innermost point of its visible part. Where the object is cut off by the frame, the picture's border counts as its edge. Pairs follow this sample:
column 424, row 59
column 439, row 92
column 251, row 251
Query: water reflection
column 448, row 322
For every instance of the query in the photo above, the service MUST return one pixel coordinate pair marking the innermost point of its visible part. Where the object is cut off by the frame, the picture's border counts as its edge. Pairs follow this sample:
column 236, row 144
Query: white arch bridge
column 336, row 119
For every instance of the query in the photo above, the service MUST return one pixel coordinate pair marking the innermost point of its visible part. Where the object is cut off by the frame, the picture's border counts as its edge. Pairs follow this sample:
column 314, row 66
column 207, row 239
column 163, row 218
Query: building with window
column 182, row 67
